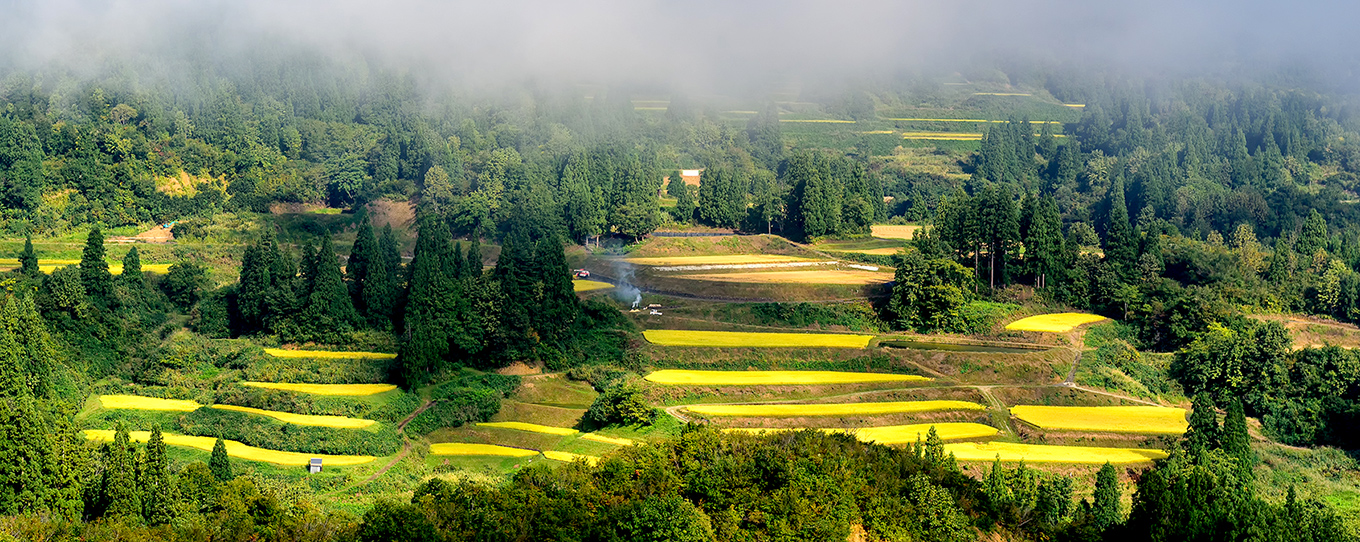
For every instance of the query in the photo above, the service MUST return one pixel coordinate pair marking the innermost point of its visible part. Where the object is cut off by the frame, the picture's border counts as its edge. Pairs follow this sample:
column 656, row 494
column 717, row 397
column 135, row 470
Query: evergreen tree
column 132, row 277
column 1313, row 236
column 1121, row 245
column 382, row 286
column 94, row 271
column 219, row 463
column 327, row 310
column 28, row 260
column 815, row 202
column 430, row 310
column 1044, row 244
column 1001, row 229
column 360, row 264
column 684, row 203
column 722, row 197
column 1105, row 509
column 1236, row 440
column 559, row 305
column 158, row 500
column 473, row 266
column 120, row 495
column 1204, row 433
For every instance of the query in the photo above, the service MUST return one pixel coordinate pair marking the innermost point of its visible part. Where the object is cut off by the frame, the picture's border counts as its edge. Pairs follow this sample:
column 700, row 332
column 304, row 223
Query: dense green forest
column 1178, row 207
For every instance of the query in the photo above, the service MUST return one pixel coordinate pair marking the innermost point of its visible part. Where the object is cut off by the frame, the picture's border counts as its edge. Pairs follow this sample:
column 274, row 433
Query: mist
column 702, row 46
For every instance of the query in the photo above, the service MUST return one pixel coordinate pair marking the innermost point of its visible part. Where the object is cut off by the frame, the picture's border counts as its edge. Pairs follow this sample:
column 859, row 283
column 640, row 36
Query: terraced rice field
column 463, row 448
column 589, row 285
column 533, row 427
column 725, row 259
column 237, row 449
column 1054, row 323
column 326, row 389
column 943, row 136
column 137, row 402
column 568, row 457
column 339, row 422
column 609, row 440
column 684, row 337
column 894, row 232
column 972, row 121
column 1146, row 420
column 829, row 121
column 900, row 434
column 874, row 251
column 836, row 409
column 678, row 377
column 48, row 266
column 326, row 354
column 838, row 276
column 1043, row 453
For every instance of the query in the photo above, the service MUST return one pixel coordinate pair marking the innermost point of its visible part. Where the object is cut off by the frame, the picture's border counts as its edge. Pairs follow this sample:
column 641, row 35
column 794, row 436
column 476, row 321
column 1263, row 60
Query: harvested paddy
column 137, row 402
column 845, row 277
column 833, row 409
column 531, row 427
column 326, row 389
column 463, row 448
column 1147, row 420
column 1054, row 323
column 901, row 434
column 685, row 337
column 589, row 285
column 326, row 354
column 894, row 232
column 339, row 422
column 1042, row 453
column 236, row 449
column 568, row 457
column 724, row 259
column 678, row 377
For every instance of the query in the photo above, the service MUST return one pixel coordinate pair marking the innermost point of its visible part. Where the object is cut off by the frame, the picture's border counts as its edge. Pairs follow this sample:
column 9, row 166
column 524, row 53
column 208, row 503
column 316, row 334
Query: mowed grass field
column 326, row 389
column 589, row 285
column 678, row 377
column 889, row 435
column 828, row 276
column 339, row 422
column 683, row 337
column 723, row 259
column 326, row 354
column 1042, row 453
column 236, row 449
column 1054, row 323
column 1148, row 420
column 833, row 409
column 137, row 402
column 463, row 448
column 894, row 232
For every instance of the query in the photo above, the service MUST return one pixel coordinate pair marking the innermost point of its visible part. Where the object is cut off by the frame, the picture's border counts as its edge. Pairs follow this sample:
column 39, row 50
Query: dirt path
column 1000, row 413
column 401, row 427
column 406, row 443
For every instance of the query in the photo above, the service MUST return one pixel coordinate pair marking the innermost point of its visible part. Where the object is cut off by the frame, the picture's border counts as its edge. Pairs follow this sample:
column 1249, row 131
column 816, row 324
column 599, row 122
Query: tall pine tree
column 158, row 494
column 327, row 312
column 94, row 271
column 382, row 286
column 219, row 463
column 361, row 260
column 28, row 260
column 120, row 495
column 1105, row 509
column 1121, row 245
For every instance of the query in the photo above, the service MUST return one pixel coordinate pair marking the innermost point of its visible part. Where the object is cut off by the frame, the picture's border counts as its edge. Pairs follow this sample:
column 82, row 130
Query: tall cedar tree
column 1121, row 244
column 1313, row 235
column 327, row 311
column 361, row 261
column 684, row 198
column 219, row 463
column 473, row 266
column 722, row 197
column 1044, row 249
column 94, row 271
column 121, row 498
column 559, row 305
column 382, row 286
column 515, row 270
column 132, row 277
column 1236, row 440
column 1204, row 433
column 430, row 304
column 1105, row 509
column 28, row 260
column 1001, row 229
column 158, row 497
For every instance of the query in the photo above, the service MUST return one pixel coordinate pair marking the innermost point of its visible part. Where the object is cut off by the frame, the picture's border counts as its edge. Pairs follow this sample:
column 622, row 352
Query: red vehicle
column 581, row 274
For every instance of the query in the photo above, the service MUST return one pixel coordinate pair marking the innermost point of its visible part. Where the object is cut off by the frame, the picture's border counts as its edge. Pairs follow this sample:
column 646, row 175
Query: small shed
column 314, row 466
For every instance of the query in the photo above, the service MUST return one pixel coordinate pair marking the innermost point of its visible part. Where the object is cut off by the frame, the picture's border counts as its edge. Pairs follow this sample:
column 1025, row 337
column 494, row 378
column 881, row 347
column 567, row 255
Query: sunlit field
column 899, row 434
column 682, row 337
column 676, row 377
column 836, row 409
column 532, row 427
column 326, row 389
column 836, row 276
column 339, row 422
column 568, row 457
column 463, row 448
column 326, row 354
column 725, row 259
column 1054, row 323
column 137, row 402
column 1042, row 453
column 894, row 232
column 1113, row 419
column 236, row 449
column 589, row 285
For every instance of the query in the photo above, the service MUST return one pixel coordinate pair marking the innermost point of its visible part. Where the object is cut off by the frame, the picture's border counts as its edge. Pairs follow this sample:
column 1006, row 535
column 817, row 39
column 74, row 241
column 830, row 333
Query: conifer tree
column 94, row 271
column 158, row 502
column 456, row 262
column 1105, row 509
column 559, row 305
column 360, row 263
column 28, row 260
column 684, row 200
column 327, row 310
column 473, row 266
column 1121, row 245
column 132, row 277
column 1236, row 440
column 382, row 287
column 430, row 312
column 1204, row 433
column 1313, row 236
column 121, row 497
column 219, row 463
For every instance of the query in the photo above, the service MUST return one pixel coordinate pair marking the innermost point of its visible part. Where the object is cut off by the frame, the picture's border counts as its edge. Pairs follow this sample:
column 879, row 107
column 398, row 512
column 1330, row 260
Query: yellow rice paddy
column 589, row 285
column 326, row 354
column 326, row 389
column 685, row 337
column 463, row 448
column 943, row 136
column 609, row 440
column 340, row 422
column 568, row 457
column 888, row 251
column 1153, row 420
column 137, row 402
column 1054, row 323
column 1042, row 453
column 836, row 409
column 894, row 232
column 900, row 434
column 532, row 427
column 237, row 449
column 48, row 266
column 677, row 377
column 846, row 277
column 725, row 259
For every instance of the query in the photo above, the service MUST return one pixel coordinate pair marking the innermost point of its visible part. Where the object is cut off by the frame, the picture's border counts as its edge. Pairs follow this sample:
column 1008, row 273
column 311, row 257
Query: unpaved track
column 406, row 442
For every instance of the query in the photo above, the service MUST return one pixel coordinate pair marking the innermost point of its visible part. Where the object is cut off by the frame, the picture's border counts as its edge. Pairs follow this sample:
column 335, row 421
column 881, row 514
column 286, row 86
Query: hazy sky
column 699, row 43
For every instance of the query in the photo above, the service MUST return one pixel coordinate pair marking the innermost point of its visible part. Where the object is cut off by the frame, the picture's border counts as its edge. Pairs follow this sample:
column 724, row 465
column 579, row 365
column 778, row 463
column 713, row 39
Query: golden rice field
column 846, row 277
column 340, row 422
column 568, row 457
column 463, row 448
column 1054, row 323
column 326, row 354
column 48, row 266
column 533, row 427
column 326, row 389
column 1153, row 420
column 1043, row 453
column 894, row 232
column 137, row 402
column 589, row 285
column 237, row 449
column 679, row 377
column 900, row 434
column 877, row 132
column 835, row 409
column 724, row 259
column 686, row 337
column 943, row 136
column 887, row 251
column 609, row 440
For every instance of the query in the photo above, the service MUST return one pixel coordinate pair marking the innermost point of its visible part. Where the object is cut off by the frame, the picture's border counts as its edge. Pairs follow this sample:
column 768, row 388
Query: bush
column 623, row 403
column 460, row 406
